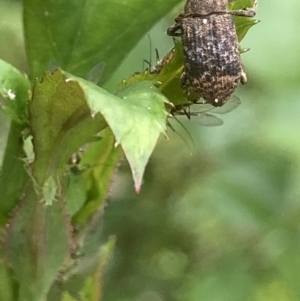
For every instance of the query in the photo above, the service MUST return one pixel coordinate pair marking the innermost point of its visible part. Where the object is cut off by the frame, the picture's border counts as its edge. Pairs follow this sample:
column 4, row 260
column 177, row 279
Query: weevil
column 212, row 64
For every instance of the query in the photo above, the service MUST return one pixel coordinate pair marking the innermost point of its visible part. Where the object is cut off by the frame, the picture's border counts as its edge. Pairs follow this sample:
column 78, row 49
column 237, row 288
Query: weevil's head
column 206, row 7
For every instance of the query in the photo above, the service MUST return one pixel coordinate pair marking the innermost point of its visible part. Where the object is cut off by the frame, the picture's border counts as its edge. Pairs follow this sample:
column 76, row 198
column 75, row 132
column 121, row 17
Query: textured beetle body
column 205, row 7
column 210, row 46
column 212, row 60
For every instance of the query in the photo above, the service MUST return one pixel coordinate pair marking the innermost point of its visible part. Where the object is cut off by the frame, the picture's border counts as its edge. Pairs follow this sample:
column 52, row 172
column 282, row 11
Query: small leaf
column 75, row 191
column 15, row 89
column 136, row 117
column 243, row 25
column 98, row 162
column 241, row 4
column 148, row 122
column 92, row 289
column 86, row 260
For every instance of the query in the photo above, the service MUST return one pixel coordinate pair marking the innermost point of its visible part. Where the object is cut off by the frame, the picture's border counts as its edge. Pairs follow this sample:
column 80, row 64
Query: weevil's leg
column 157, row 55
column 247, row 12
column 243, row 13
column 147, row 63
column 184, row 79
column 172, row 30
column 186, row 113
column 243, row 76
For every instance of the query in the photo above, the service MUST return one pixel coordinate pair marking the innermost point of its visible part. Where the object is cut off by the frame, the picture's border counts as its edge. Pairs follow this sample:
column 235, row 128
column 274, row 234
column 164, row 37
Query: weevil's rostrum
column 212, row 61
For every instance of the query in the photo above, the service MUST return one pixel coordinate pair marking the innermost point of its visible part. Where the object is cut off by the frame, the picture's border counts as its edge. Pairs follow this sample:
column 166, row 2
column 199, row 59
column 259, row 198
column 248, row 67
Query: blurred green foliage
column 223, row 223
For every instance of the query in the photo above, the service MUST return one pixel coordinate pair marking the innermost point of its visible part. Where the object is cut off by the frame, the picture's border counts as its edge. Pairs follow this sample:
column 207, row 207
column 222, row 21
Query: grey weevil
column 212, row 64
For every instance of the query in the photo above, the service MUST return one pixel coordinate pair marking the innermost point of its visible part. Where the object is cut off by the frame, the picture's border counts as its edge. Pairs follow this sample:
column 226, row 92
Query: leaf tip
column 138, row 181
column 137, row 188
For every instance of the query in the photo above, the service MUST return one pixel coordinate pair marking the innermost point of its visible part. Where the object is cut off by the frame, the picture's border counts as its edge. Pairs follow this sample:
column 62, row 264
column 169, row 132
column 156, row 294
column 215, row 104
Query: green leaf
column 98, row 162
column 34, row 247
column 75, row 190
column 242, row 26
column 148, row 120
column 12, row 186
column 15, row 89
column 14, row 95
column 241, row 4
column 85, row 278
column 90, row 260
column 92, row 290
column 136, row 117
column 61, row 122
column 91, row 32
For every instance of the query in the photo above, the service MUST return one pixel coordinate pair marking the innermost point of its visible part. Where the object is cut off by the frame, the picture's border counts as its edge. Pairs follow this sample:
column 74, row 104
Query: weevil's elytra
column 210, row 46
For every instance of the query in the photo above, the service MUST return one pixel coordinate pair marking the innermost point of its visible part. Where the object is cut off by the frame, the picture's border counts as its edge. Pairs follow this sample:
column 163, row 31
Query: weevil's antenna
column 157, row 55
column 187, row 113
column 149, row 63
column 150, row 50
column 181, row 136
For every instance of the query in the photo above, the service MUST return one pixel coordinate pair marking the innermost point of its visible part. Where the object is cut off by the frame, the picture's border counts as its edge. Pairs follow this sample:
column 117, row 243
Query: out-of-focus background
column 223, row 222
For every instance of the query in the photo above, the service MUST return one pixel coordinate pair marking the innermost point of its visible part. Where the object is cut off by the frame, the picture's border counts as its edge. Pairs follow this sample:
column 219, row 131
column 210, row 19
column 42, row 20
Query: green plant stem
column 13, row 175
